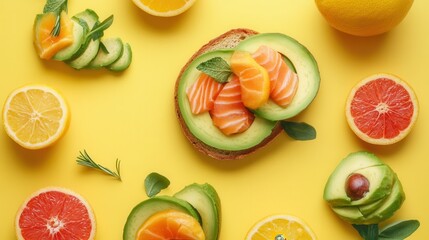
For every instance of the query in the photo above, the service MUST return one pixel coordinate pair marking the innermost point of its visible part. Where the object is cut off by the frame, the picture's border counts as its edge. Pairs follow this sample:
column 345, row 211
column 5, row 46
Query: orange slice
column 171, row 224
column 281, row 227
column 55, row 213
column 35, row 116
column 254, row 79
column 46, row 44
column 164, row 8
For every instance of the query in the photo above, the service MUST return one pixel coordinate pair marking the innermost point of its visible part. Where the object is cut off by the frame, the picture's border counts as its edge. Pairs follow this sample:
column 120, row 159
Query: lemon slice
column 278, row 227
column 35, row 116
column 164, row 8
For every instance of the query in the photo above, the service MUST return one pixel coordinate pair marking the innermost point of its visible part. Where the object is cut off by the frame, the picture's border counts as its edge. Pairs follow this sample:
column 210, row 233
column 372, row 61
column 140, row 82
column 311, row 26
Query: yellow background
column 131, row 116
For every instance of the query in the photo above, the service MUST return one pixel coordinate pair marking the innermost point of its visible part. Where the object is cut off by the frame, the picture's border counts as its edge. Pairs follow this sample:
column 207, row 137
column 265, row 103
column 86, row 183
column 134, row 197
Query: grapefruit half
column 381, row 109
column 55, row 213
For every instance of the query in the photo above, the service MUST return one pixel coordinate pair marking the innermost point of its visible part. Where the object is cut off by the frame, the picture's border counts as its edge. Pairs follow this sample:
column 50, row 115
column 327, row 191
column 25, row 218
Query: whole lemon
column 364, row 17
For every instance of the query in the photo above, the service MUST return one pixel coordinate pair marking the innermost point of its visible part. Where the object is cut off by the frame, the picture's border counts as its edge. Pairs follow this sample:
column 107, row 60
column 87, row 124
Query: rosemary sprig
column 85, row 160
column 56, row 6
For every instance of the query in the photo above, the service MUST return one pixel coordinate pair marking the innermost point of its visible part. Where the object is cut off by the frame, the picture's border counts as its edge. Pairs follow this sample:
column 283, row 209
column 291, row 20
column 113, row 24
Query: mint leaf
column 299, row 130
column 216, row 68
column 56, row 6
column 98, row 30
column 399, row 230
column 367, row 232
column 154, row 183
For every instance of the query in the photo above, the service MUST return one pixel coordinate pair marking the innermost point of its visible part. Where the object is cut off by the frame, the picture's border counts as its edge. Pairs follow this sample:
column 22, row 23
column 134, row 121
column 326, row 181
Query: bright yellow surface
column 131, row 116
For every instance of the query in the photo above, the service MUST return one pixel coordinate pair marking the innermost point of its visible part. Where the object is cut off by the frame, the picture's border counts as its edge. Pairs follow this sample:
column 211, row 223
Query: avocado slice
column 335, row 192
column 204, row 198
column 304, row 64
column 201, row 125
column 147, row 208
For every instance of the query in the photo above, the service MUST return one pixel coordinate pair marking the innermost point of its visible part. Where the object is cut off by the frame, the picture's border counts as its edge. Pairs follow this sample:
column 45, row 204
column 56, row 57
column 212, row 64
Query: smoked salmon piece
column 202, row 93
column 283, row 81
column 229, row 113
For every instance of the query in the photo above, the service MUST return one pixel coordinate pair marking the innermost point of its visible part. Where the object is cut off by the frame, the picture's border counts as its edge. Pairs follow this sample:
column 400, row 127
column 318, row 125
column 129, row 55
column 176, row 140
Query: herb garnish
column 154, row 183
column 56, row 7
column 396, row 231
column 85, row 160
column 299, row 130
column 216, row 68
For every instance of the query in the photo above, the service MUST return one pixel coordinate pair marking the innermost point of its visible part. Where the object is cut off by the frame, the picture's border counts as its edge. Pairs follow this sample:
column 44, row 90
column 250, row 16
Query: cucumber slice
column 124, row 61
column 147, row 208
column 114, row 48
column 79, row 32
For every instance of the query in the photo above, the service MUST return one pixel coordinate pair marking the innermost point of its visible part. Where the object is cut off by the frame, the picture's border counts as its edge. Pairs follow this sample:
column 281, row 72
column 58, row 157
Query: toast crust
column 228, row 39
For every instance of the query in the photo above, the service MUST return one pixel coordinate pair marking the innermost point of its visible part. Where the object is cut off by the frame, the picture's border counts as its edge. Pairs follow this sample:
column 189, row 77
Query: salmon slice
column 202, row 93
column 283, row 81
column 229, row 113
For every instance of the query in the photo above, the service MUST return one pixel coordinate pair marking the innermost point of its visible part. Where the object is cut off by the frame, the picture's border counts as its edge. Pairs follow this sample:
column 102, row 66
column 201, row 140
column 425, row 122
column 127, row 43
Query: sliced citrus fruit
column 171, row 224
column 254, row 79
column 283, row 227
column 47, row 45
column 35, row 116
column 381, row 109
column 55, row 213
column 164, row 8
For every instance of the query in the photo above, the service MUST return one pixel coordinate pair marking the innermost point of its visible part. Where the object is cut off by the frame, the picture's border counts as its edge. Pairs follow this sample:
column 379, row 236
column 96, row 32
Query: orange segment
column 171, row 224
column 164, row 8
column 35, row 116
column 281, row 227
column 254, row 79
column 46, row 44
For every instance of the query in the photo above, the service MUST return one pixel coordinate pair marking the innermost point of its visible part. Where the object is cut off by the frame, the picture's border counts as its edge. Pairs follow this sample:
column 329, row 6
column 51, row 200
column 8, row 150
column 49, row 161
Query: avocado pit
column 357, row 186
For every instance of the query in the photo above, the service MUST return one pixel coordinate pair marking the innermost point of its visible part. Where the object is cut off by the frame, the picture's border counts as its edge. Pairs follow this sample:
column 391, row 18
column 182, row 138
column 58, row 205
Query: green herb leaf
column 399, row 230
column 56, row 6
column 154, row 183
column 299, row 130
column 367, row 232
column 216, row 68
column 85, row 160
column 98, row 30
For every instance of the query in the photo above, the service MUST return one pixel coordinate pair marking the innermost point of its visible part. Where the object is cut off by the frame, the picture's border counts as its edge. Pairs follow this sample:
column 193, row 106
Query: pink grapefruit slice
column 381, row 109
column 55, row 213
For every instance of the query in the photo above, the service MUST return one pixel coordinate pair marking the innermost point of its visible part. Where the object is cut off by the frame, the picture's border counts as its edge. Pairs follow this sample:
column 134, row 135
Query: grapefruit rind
column 63, row 123
column 56, row 189
column 382, row 141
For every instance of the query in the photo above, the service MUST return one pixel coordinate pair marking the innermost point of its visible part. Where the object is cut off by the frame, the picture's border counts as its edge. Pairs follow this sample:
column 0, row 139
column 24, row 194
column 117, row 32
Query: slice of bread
column 229, row 39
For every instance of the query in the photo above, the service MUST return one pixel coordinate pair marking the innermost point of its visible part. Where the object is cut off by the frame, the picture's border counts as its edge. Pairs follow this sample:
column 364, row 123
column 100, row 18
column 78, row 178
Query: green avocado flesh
column 201, row 125
column 305, row 66
column 385, row 194
column 205, row 200
column 147, row 208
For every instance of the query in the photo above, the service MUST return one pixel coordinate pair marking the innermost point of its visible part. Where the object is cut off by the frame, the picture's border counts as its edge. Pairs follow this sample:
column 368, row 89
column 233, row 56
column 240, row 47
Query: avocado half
column 385, row 193
column 267, row 117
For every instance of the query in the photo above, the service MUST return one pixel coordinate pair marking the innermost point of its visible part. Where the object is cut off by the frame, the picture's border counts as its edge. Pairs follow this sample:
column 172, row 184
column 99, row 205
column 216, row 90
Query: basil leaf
column 216, row 68
column 367, row 232
column 56, row 6
column 399, row 230
column 299, row 130
column 154, row 183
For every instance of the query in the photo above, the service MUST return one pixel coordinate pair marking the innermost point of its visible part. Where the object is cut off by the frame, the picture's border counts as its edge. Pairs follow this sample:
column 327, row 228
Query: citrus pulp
column 281, row 227
column 364, row 17
column 55, row 213
column 381, row 109
column 164, row 8
column 35, row 116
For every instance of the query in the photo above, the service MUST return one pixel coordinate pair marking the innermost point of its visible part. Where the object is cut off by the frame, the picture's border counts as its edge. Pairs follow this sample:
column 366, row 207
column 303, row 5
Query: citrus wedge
column 381, row 109
column 283, row 227
column 171, row 224
column 55, row 213
column 46, row 44
column 35, row 116
column 254, row 79
column 164, row 8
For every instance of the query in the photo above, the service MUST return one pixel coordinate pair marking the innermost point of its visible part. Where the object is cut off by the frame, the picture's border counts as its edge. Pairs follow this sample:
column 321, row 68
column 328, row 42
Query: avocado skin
column 381, row 206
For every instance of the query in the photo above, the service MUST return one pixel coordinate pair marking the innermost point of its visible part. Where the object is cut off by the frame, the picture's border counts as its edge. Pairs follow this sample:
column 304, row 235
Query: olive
column 357, row 185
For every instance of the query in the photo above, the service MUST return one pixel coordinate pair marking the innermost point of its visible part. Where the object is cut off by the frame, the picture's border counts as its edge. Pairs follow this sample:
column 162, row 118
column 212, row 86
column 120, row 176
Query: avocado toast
column 263, row 126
